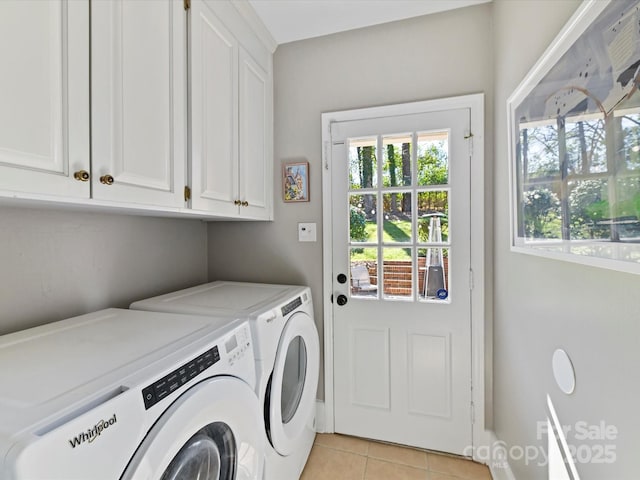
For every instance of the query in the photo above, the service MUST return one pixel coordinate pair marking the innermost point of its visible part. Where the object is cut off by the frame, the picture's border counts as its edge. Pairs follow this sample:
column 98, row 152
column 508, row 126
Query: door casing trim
column 481, row 367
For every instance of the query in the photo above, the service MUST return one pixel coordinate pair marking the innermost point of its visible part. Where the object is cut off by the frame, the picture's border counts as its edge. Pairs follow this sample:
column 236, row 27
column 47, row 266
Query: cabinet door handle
column 81, row 175
column 245, row 204
column 106, row 179
column 237, row 203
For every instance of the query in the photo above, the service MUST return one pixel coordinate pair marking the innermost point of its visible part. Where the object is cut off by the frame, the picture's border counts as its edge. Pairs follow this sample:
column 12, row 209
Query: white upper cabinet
column 214, row 113
column 256, row 133
column 44, row 97
column 232, row 114
column 110, row 127
column 139, row 101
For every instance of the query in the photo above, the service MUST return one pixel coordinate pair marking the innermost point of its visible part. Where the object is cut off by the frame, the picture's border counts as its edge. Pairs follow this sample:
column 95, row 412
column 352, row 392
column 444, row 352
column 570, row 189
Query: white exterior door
column 139, row 96
column 401, row 279
column 44, row 93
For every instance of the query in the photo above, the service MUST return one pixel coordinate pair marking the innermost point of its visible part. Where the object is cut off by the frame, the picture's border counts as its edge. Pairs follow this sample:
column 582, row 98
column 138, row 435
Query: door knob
column 106, row 179
column 342, row 300
column 342, row 278
column 81, row 175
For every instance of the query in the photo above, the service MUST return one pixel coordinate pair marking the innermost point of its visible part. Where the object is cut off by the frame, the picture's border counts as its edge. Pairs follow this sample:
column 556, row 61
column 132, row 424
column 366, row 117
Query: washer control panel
column 176, row 379
column 232, row 348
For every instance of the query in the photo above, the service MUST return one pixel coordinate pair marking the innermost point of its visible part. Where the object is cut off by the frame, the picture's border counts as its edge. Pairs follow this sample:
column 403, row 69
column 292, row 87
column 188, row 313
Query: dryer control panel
column 291, row 306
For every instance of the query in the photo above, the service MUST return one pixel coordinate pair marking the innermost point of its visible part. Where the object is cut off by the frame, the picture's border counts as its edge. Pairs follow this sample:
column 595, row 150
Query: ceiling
column 291, row 20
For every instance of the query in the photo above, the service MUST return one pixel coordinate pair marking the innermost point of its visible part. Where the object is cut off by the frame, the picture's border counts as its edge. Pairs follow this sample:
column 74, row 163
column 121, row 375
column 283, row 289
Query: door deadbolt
column 342, row 278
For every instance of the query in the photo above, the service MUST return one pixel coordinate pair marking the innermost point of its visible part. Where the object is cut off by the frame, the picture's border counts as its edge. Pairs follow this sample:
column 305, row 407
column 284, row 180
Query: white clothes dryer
column 287, row 355
column 120, row 394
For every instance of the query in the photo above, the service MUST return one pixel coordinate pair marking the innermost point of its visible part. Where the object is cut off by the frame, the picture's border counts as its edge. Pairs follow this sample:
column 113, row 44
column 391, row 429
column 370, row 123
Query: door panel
column 370, row 367
column 255, row 184
column 401, row 233
column 214, row 103
column 429, row 374
column 139, row 101
column 44, row 93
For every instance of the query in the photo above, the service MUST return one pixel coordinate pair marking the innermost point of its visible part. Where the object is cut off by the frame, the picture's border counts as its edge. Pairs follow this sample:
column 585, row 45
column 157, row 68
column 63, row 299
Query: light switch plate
column 306, row 232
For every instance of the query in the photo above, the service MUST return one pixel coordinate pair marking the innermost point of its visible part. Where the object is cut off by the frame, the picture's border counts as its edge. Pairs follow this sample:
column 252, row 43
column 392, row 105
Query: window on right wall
column 575, row 142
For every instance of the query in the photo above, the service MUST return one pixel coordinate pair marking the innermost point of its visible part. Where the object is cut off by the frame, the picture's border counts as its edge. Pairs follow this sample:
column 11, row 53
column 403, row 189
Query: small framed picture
column 295, row 181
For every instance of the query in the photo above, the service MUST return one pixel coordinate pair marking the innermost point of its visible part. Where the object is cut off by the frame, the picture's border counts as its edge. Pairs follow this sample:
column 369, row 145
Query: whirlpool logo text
column 92, row 433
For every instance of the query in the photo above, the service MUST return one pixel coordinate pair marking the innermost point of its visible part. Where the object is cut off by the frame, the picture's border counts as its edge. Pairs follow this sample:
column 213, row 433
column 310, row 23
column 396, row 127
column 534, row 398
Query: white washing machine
column 287, row 359
column 121, row 394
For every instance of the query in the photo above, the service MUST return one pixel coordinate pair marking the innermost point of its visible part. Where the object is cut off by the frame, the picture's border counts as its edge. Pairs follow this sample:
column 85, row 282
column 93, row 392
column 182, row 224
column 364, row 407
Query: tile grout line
column 366, row 462
column 381, row 459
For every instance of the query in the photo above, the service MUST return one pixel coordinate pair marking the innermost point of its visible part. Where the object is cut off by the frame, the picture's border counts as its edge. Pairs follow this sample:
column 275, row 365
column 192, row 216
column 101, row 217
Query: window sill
column 618, row 256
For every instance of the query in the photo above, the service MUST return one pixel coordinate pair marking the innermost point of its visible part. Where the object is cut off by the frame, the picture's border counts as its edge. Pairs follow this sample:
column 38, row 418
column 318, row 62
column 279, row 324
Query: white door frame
column 479, row 365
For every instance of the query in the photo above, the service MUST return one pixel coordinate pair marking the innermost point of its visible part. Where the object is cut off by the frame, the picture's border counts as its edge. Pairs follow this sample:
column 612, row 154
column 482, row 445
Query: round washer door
column 208, row 433
column 294, row 382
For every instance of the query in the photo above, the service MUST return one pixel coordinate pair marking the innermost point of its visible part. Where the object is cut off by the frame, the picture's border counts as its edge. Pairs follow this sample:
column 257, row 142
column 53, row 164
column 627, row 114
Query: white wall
column 541, row 305
column 57, row 264
column 430, row 57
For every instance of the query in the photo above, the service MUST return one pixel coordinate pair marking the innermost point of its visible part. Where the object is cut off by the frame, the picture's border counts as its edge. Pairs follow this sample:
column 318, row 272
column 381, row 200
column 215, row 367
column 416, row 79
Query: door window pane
column 363, row 164
column 364, row 272
column 433, row 268
column 433, row 158
column 397, row 273
column 397, row 218
column 363, row 218
column 432, row 205
column 396, row 161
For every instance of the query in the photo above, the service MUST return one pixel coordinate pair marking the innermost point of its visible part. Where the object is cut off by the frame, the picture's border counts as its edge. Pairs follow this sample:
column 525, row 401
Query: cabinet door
column 256, row 157
column 44, row 96
column 214, row 113
column 139, row 101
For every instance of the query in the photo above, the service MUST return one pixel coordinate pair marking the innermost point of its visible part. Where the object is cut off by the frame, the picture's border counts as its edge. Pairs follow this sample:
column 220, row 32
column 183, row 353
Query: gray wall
column 430, row 57
column 541, row 305
column 58, row 264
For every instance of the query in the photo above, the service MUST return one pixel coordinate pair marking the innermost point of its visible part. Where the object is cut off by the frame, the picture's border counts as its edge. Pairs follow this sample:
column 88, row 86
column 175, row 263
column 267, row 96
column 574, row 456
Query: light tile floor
column 339, row 457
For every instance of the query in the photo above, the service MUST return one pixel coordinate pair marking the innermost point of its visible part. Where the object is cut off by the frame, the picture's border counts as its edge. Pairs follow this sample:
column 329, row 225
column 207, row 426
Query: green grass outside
column 392, row 231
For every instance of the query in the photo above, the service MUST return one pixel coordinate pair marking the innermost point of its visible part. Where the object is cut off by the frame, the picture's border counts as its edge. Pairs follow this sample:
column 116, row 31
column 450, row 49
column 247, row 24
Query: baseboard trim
column 498, row 462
